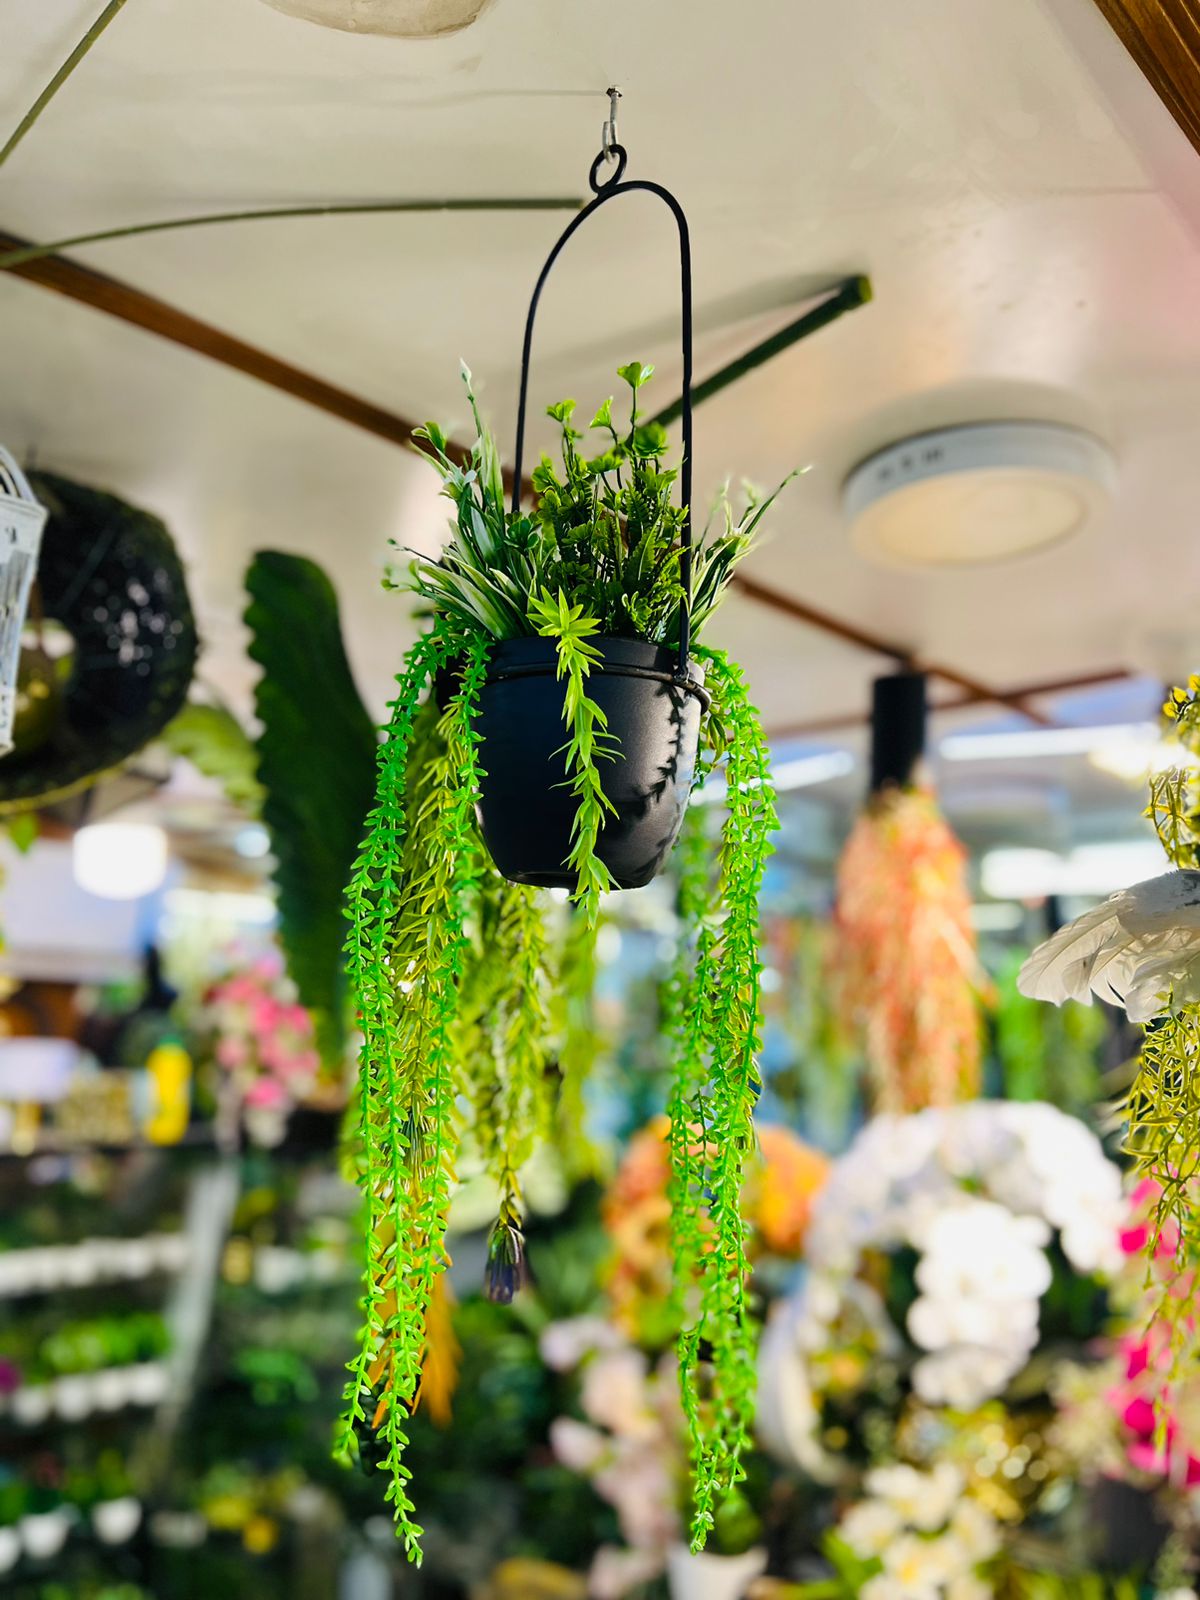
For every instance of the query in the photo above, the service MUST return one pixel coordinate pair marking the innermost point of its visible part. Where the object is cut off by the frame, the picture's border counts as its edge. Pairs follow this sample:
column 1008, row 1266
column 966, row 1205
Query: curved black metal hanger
column 609, row 190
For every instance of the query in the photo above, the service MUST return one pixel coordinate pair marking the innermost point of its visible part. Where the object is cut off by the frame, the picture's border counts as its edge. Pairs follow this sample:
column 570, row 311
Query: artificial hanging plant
column 553, row 656
column 903, row 922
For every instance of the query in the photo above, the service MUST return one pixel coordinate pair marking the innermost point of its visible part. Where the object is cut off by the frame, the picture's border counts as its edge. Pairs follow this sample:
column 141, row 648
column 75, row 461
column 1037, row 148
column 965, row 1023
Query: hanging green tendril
column 714, row 1021
column 588, row 743
column 408, row 901
column 579, row 1043
column 1162, row 1108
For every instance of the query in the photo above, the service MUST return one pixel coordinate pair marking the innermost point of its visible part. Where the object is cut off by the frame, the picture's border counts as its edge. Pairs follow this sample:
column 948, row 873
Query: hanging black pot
column 526, row 808
column 652, row 696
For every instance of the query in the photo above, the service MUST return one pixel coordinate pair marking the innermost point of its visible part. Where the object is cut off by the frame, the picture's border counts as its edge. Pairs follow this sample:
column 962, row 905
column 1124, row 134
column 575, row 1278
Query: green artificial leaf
column 648, row 441
column 214, row 741
column 562, row 411
column 23, row 829
column 316, row 763
column 603, row 417
column 635, row 373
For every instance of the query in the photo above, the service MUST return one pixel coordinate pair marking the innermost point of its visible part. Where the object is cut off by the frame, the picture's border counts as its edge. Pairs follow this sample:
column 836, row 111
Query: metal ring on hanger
column 604, row 192
column 615, row 152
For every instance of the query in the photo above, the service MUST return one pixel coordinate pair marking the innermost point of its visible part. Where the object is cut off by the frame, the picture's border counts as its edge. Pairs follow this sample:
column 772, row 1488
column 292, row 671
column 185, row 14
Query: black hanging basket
column 652, row 696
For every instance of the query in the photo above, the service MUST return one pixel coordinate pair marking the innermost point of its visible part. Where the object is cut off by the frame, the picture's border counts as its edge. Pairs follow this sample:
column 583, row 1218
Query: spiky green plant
column 463, row 1036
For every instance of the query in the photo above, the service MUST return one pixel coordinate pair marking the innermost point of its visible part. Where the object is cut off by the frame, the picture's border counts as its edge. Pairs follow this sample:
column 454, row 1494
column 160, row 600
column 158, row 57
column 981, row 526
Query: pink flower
column 304, row 1064
column 267, row 1094
column 232, row 1051
column 1150, row 1409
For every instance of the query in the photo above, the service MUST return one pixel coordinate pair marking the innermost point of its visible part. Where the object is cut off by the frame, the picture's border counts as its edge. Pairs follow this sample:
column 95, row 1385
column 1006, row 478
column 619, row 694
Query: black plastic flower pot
column 526, row 808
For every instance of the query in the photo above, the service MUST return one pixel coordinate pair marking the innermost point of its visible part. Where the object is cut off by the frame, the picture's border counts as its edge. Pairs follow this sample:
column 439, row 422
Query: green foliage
column 817, row 1084
column 316, row 761
column 580, row 1043
column 605, row 532
column 587, row 745
column 1082, row 1586
column 714, row 1020
column 406, row 949
column 214, row 741
column 23, row 829
column 1162, row 1109
column 1047, row 1052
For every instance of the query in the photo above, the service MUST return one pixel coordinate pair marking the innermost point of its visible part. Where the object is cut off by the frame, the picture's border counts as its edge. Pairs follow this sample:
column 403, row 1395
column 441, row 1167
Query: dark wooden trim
column 1028, row 691
column 1163, row 37
column 851, row 633
column 141, row 310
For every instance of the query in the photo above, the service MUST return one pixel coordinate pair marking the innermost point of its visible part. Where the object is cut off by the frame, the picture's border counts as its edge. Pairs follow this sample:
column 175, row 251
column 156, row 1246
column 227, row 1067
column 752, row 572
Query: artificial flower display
column 945, row 1251
column 973, row 1196
column 919, row 1535
column 263, row 1044
column 1136, row 1415
column 630, row 1445
column 908, row 949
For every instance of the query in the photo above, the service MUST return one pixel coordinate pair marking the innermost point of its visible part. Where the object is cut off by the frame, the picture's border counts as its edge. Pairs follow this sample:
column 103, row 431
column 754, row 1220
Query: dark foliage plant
column 468, row 1006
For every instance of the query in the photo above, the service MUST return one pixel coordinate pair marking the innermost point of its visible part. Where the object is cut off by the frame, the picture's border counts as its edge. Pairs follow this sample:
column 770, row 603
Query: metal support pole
column 851, row 294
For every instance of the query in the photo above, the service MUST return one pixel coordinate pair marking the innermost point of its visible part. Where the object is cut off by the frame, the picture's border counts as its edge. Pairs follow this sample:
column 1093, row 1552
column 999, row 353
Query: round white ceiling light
column 981, row 492
column 401, row 19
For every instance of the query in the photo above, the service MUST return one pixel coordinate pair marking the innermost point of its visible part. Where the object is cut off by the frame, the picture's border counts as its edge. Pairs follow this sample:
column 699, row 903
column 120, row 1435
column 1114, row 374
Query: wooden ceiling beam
column 1163, row 37
column 903, row 656
column 141, row 310
column 1027, row 691
column 110, row 295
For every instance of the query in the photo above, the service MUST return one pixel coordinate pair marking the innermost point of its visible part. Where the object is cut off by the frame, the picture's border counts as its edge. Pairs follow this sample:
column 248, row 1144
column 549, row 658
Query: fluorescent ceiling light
column 807, row 770
column 1091, row 870
column 800, row 773
column 1136, row 759
column 231, row 906
column 1021, row 744
column 989, row 917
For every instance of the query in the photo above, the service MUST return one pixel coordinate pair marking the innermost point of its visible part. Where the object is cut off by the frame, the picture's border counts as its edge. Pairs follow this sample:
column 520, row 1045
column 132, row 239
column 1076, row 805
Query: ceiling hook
column 608, row 136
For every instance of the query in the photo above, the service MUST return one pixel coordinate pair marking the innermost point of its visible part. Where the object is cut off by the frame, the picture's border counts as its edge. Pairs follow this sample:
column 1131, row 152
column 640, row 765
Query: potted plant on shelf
column 556, row 716
column 47, row 1520
column 115, row 1510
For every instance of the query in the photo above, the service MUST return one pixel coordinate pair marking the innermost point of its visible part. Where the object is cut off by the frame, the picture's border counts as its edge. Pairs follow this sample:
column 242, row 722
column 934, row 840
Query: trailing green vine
column 406, row 953
column 1162, row 1108
column 715, row 1020
column 588, row 744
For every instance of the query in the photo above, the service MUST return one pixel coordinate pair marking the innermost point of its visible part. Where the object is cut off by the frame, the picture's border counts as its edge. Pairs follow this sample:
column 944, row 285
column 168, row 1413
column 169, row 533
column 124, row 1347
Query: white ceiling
column 1001, row 171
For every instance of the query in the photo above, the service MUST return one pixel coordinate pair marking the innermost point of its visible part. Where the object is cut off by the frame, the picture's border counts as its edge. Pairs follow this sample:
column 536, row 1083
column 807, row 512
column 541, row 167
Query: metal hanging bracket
column 613, row 152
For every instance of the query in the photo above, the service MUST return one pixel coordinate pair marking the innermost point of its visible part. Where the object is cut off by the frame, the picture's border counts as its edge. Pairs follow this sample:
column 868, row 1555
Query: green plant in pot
column 552, row 723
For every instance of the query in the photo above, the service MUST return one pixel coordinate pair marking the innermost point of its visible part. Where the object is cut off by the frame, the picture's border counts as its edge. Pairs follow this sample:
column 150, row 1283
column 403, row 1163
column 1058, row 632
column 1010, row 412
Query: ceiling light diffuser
column 977, row 493
column 401, row 19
